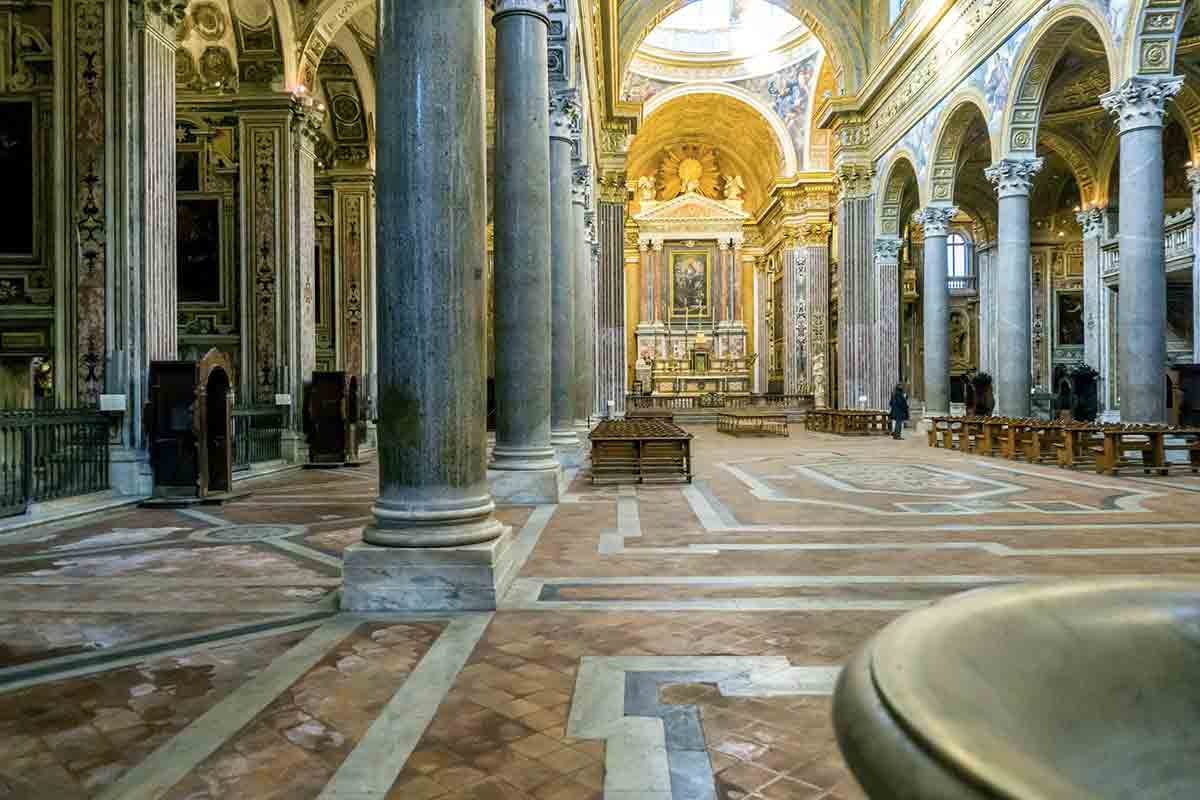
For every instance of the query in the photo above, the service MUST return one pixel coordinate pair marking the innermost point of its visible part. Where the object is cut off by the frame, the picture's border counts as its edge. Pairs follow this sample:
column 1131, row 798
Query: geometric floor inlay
column 247, row 533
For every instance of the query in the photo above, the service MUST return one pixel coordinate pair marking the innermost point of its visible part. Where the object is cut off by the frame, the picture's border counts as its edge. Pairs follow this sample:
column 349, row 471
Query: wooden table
column 762, row 423
column 640, row 451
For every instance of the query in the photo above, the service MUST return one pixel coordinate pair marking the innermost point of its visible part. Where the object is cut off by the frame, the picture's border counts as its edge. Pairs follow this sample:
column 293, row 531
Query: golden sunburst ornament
column 689, row 168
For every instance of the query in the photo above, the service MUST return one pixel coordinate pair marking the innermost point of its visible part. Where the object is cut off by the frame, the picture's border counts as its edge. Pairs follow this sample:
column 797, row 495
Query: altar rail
column 257, row 435
column 51, row 454
column 676, row 403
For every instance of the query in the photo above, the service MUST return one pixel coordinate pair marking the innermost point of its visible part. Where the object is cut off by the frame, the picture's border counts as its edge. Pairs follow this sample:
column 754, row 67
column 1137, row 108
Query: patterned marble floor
column 666, row 643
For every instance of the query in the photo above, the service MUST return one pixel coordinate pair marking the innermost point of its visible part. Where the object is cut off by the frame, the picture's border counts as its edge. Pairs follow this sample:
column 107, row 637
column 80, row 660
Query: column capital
column 1193, row 178
column 887, row 250
column 613, row 186
column 854, row 179
column 564, row 113
column 169, row 13
column 1013, row 177
column 581, row 184
column 539, row 9
column 935, row 220
column 815, row 234
column 1091, row 220
column 307, row 119
column 1141, row 102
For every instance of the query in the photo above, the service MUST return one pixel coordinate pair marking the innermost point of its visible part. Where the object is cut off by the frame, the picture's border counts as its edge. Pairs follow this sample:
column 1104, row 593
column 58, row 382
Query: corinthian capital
column 935, row 219
column 533, row 8
column 887, row 250
column 1013, row 176
column 581, row 184
column 1193, row 176
column 564, row 113
column 1141, row 102
column 160, row 12
column 1091, row 220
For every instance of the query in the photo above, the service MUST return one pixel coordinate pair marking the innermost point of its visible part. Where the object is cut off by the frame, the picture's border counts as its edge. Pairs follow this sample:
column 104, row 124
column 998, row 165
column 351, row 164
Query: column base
column 469, row 578
column 129, row 472
column 563, row 437
column 524, row 487
column 571, row 455
column 294, row 447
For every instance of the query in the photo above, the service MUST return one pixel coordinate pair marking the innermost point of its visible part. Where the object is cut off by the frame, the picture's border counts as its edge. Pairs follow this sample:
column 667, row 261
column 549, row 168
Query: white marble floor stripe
column 297, row 549
column 372, row 767
column 167, row 765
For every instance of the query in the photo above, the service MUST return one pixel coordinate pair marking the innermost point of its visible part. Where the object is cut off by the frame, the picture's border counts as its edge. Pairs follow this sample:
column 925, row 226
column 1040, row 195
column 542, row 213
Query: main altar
column 692, row 338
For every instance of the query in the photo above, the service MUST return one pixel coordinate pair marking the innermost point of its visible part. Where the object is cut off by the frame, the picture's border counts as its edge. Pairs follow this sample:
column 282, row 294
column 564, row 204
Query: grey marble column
column 1139, row 106
column 1193, row 175
column 1013, row 179
column 564, row 112
column 936, row 296
column 585, row 316
column 887, row 316
column 1091, row 222
column 431, row 249
column 522, row 234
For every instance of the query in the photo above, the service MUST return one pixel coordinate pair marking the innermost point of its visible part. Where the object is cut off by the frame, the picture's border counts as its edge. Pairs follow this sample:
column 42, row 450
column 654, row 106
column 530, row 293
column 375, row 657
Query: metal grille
column 48, row 455
column 257, row 436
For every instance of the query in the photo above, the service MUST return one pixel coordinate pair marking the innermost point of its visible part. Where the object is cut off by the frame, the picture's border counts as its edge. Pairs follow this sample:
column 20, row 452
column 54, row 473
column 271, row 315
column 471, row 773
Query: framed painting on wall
column 690, row 283
column 18, row 165
column 198, row 253
column 1068, row 312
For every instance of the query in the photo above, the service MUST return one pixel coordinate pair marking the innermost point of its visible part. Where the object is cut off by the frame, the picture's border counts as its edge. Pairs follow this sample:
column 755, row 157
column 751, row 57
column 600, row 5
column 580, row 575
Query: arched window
column 957, row 263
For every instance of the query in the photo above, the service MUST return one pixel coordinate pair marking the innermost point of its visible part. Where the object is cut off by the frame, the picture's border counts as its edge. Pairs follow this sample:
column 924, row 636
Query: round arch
column 949, row 136
column 783, row 139
column 896, row 173
column 1034, row 66
column 835, row 23
column 331, row 16
column 1152, row 33
column 1081, row 162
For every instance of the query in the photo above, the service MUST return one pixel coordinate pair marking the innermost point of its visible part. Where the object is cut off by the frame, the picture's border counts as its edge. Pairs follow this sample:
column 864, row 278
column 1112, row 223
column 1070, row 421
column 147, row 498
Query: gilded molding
column 1013, row 177
column 935, row 220
column 612, row 186
column 815, row 234
column 564, row 114
column 1141, row 102
column 854, row 180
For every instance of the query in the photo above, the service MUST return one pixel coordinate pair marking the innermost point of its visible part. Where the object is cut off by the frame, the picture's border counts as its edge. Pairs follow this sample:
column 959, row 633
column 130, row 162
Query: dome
column 724, row 28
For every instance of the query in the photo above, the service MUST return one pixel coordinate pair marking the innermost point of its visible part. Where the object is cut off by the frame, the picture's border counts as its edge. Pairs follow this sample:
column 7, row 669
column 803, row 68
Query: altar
column 691, row 336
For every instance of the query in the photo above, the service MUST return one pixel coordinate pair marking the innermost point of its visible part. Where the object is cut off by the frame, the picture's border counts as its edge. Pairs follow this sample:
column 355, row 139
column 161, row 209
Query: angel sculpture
column 646, row 188
column 734, row 187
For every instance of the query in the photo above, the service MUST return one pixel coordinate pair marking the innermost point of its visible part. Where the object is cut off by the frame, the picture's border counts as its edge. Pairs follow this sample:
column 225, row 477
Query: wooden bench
column 640, row 451
column 1075, row 447
column 1149, row 442
column 755, row 422
column 664, row 414
column 941, row 431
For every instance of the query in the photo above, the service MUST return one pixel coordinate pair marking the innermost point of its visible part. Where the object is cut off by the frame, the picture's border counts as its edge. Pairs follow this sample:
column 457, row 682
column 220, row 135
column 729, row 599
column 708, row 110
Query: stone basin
column 1083, row 689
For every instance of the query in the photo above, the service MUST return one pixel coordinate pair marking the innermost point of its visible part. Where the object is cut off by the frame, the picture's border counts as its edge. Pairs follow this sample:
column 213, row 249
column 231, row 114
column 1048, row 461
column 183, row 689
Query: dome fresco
column 738, row 27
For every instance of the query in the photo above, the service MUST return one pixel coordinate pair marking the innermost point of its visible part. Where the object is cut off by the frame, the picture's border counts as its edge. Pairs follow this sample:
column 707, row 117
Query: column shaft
column 1139, row 105
column 936, row 298
column 585, row 316
column 1014, row 358
column 562, row 265
column 522, row 234
column 431, row 244
column 611, row 287
column 887, row 310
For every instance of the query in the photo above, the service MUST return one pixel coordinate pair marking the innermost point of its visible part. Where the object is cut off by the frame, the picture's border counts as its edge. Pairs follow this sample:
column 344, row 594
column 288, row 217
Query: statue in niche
column 734, row 187
column 647, row 191
column 958, row 336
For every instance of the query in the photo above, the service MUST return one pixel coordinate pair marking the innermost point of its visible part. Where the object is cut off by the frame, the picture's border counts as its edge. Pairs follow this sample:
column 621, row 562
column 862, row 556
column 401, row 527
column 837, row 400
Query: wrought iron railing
column 257, row 435
column 51, row 454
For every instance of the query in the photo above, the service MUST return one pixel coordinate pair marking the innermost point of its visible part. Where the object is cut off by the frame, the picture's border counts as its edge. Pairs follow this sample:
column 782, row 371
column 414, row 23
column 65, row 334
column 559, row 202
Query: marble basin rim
column 1068, row 689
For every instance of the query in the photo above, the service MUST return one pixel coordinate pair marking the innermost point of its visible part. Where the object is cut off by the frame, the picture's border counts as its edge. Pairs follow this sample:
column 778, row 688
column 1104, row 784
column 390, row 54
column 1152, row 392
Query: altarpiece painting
column 690, row 273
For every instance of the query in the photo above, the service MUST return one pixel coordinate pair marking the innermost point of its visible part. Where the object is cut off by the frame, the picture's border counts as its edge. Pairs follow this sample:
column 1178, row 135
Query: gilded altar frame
column 677, row 258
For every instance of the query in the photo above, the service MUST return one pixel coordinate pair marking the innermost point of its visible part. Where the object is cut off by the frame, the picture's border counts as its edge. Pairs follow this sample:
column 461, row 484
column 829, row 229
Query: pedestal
column 524, row 487
column 471, row 578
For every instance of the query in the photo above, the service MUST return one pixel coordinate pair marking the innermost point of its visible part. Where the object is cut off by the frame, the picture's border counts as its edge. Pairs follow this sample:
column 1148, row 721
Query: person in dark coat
column 899, row 411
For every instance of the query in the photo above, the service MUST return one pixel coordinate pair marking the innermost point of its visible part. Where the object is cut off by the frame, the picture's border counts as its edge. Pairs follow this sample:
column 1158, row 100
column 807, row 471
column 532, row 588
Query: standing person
column 899, row 411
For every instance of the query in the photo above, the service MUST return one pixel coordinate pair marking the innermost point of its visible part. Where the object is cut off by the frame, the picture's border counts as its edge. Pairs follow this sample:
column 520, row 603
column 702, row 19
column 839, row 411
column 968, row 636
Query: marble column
column 887, row 315
column 434, row 542
column 523, row 459
column 1193, row 176
column 1091, row 222
column 564, row 112
column 610, row 283
column 1013, row 179
column 647, row 293
column 1139, row 106
column 141, row 291
column 857, row 343
column 985, row 276
column 585, row 313
column 935, row 221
